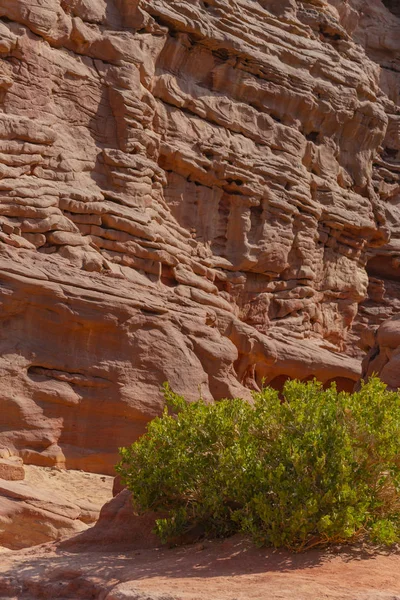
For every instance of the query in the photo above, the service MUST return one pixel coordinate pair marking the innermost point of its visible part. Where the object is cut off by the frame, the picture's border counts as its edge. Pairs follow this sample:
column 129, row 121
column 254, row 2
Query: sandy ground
column 78, row 487
column 219, row 570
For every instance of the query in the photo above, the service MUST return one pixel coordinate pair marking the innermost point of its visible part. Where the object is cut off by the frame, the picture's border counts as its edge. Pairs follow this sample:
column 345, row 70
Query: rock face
column 383, row 359
column 190, row 191
column 378, row 30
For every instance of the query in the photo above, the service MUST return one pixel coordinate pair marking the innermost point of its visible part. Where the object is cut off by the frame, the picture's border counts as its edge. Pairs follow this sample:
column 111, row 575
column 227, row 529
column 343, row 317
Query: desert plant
column 318, row 467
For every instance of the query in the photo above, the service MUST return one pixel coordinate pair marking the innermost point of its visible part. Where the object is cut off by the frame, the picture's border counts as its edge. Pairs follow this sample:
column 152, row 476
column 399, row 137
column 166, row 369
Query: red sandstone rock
column 29, row 516
column 377, row 29
column 118, row 486
column 11, row 469
column 117, row 529
column 383, row 358
column 50, row 505
column 190, row 191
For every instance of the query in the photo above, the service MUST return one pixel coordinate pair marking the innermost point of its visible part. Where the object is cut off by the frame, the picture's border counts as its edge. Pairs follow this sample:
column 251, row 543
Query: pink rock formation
column 378, row 30
column 12, row 469
column 50, row 505
column 116, row 529
column 190, row 191
column 29, row 516
column 383, row 359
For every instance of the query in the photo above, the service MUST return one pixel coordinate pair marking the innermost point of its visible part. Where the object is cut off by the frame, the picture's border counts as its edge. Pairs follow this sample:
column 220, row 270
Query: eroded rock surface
column 377, row 28
column 117, row 529
column 12, row 469
column 49, row 505
column 189, row 191
column 383, row 359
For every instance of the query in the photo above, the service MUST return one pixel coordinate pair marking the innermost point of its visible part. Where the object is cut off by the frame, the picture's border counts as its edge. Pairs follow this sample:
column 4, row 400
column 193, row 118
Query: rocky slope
column 198, row 191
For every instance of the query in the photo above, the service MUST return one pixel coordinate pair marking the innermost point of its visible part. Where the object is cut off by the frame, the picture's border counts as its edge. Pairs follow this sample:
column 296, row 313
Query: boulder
column 383, row 359
column 12, row 469
column 29, row 516
column 49, row 505
column 117, row 529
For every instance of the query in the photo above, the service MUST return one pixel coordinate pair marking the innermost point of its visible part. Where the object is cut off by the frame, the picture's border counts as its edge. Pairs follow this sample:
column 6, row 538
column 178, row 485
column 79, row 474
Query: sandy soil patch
column 220, row 570
column 78, row 487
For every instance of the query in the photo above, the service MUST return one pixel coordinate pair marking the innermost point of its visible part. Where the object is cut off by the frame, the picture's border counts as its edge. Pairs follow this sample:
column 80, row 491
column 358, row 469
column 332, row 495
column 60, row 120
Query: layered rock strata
column 190, row 191
column 377, row 29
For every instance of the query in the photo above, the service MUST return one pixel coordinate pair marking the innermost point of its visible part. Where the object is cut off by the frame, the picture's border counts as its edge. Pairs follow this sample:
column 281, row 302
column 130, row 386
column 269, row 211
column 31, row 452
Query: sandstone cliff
column 378, row 31
column 198, row 191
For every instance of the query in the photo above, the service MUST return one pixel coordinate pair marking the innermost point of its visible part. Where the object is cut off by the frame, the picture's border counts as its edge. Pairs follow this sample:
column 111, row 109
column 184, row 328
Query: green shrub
column 318, row 467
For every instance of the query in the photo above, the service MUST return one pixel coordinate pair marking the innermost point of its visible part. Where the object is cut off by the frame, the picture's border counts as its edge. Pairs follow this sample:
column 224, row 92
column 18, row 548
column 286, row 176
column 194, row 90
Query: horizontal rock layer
column 378, row 30
column 190, row 191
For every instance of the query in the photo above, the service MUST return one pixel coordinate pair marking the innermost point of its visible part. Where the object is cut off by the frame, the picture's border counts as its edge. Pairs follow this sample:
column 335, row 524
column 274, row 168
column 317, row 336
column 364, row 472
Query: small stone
column 199, row 547
column 4, row 452
column 7, row 228
column 12, row 469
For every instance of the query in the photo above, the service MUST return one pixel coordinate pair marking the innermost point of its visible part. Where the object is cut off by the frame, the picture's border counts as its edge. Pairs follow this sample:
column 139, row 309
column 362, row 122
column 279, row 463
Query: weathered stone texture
column 383, row 358
column 189, row 191
column 378, row 30
column 12, row 469
column 49, row 505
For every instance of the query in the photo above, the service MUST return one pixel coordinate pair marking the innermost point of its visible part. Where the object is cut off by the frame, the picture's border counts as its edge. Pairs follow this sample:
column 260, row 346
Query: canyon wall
column 198, row 191
column 378, row 31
